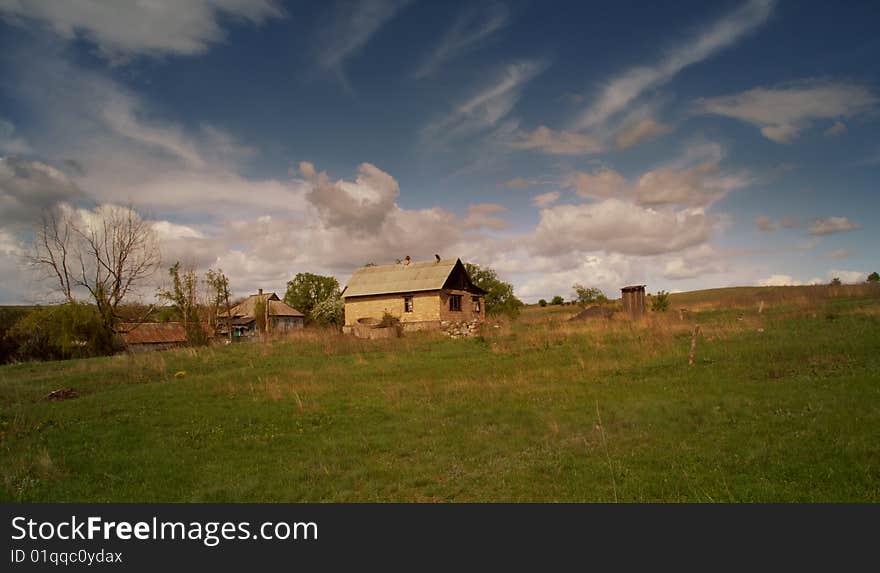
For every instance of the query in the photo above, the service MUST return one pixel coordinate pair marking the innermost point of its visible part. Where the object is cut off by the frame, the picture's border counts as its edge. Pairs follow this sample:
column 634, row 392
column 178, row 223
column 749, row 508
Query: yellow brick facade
column 432, row 306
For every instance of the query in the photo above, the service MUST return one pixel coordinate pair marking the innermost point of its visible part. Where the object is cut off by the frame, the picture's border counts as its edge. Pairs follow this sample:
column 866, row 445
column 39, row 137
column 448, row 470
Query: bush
column 557, row 300
column 542, row 303
column 660, row 302
column 71, row 330
column 389, row 319
column 585, row 296
column 329, row 311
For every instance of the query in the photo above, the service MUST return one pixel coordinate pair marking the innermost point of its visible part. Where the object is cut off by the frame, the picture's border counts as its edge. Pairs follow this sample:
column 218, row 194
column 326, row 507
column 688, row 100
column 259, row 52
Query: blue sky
column 682, row 146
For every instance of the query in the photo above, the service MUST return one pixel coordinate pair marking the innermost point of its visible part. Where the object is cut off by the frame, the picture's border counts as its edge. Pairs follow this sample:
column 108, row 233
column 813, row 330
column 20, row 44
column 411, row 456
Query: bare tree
column 107, row 253
column 219, row 284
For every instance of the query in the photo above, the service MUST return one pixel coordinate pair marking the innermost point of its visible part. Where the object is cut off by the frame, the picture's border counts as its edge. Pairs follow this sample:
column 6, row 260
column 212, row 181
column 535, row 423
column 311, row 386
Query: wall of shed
column 634, row 303
column 426, row 307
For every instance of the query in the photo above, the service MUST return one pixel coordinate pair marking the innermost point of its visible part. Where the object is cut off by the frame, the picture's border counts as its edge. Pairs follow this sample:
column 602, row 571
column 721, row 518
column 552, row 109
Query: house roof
column 154, row 332
column 277, row 307
column 399, row 278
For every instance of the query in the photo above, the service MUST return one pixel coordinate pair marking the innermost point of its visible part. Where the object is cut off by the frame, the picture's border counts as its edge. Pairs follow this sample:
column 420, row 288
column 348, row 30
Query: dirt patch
column 593, row 312
column 61, row 394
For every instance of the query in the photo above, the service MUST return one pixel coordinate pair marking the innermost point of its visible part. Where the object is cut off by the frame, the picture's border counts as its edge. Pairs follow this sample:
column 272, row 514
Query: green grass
column 780, row 406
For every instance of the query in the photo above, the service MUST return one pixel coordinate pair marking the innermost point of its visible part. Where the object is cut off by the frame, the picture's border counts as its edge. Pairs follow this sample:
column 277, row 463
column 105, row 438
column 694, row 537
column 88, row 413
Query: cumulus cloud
column 848, row 277
column 779, row 280
column 613, row 225
column 784, row 112
column 545, row 199
column 153, row 28
column 473, row 27
column 698, row 261
column 552, row 142
column 830, row 225
column 695, row 180
column 361, row 206
column 626, row 88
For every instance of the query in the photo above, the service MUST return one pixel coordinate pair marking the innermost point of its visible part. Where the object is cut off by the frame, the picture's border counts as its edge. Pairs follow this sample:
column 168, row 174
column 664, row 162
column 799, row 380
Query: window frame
column 408, row 304
column 477, row 303
column 455, row 301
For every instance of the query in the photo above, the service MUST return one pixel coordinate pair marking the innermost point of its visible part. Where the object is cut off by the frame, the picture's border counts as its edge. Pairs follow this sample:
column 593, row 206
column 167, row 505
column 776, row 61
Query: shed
column 634, row 300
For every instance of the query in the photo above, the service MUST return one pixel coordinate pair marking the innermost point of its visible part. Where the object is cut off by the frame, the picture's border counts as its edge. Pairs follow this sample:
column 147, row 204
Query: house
column 143, row 336
column 279, row 316
column 429, row 295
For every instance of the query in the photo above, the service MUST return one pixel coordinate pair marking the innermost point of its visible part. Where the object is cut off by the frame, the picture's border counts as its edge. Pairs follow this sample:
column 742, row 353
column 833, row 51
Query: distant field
column 782, row 405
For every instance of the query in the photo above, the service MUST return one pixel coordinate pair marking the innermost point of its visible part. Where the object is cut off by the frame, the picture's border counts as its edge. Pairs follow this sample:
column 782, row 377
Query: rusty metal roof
column 389, row 279
column 153, row 332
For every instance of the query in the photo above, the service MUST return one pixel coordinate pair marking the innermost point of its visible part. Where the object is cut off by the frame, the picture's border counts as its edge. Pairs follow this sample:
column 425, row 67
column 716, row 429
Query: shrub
column 542, row 303
column 71, row 330
column 557, row 300
column 660, row 302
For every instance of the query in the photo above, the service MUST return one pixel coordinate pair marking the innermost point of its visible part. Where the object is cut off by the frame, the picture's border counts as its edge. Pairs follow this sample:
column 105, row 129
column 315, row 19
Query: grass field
column 782, row 405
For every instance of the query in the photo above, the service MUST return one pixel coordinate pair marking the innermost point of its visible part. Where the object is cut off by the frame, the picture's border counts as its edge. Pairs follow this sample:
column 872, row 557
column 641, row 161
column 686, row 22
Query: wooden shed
column 634, row 300
column 421, row 295
column 143, row 336
column 278, row 316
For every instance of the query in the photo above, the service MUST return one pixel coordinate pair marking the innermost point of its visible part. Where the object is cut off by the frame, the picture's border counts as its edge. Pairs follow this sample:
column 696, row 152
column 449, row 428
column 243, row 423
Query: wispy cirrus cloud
column 473, row 27
column 783, row 112
column 485, row 109
column 623, row 90
column 351, row 25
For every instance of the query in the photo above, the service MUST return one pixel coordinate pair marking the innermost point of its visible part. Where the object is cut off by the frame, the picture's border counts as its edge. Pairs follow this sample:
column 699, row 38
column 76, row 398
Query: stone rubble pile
column 460, row 329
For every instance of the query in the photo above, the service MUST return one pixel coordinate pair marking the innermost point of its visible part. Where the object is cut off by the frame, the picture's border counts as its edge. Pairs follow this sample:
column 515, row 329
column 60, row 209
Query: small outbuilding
column 634, row 300
column 422, row 296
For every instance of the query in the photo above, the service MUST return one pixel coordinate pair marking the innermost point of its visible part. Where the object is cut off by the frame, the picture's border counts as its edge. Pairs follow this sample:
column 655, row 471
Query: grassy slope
column 537, row 410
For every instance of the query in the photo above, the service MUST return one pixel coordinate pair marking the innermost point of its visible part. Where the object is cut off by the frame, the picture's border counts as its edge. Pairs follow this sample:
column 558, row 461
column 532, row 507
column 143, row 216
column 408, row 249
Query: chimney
column 261, row 292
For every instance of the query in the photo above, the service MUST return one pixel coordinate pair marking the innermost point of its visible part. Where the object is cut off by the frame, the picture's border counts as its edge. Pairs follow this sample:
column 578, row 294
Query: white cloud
column 154, row 28
column 831, row 225
column 779, row 280
column 471, row 29
column 613, row 225
column 545, row 199
column 488, row 107
column 552, row 142
column 695, row 262
column 621, row 91
column 848, row 277
column 766, row 224
column 784, row 112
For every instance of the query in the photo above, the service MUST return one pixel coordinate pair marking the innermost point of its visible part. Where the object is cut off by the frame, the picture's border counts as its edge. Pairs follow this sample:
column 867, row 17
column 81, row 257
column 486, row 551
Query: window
column 475, row 302
column 407, row 304
column 455, row 302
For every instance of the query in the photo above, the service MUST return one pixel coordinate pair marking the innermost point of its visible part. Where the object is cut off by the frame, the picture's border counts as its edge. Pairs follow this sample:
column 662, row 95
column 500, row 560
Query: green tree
column 660, row 301
column 874, row 278
column 306, row 290
column 219, row 285
column 499, row 295
column 557, row 300
column 183, row 299
column 835, row 281
column 329, row 311
column 542, row 303
column 584, row 296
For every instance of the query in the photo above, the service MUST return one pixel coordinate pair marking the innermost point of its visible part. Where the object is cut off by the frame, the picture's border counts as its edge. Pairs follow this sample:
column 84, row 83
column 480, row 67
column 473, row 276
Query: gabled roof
column 276, row 306
column 400, row 278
